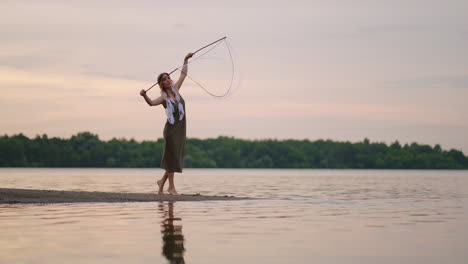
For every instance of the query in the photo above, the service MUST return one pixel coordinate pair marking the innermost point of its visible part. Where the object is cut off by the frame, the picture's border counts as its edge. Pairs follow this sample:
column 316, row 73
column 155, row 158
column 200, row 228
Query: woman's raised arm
column 150, row 102
column 183, row 73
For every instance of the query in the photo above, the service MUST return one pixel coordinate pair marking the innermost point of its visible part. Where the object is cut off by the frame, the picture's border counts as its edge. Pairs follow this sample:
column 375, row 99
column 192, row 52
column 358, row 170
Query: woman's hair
column 160, row 76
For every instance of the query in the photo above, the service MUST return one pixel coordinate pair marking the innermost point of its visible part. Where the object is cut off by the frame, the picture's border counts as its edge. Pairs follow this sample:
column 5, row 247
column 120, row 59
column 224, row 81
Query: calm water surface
column 301, row 216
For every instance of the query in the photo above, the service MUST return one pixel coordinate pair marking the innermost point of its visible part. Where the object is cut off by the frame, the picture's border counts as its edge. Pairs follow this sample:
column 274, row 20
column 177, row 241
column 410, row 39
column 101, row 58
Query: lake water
column 300, row 216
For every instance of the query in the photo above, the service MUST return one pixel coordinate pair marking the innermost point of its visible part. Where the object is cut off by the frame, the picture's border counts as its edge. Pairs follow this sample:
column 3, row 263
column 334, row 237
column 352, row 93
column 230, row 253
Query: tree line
column 87, row 150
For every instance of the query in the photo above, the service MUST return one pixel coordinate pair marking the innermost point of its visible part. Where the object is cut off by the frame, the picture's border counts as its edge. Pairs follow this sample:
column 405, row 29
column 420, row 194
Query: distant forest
column 87, row 150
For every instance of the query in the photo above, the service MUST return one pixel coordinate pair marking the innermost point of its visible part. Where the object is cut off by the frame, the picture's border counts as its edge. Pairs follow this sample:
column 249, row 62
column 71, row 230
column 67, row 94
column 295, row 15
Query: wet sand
column 10, row 196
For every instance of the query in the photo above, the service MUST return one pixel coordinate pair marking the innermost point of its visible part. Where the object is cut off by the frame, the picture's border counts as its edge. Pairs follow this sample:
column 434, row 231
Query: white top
column 170, row 105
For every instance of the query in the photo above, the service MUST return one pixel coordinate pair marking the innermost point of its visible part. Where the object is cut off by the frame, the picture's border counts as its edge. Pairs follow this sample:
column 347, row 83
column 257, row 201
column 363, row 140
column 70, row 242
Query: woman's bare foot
column 161, row 186
column 172, row 191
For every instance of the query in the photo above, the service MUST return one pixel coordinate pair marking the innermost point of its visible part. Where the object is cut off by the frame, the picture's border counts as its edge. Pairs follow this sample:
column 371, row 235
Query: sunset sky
column 331, row 69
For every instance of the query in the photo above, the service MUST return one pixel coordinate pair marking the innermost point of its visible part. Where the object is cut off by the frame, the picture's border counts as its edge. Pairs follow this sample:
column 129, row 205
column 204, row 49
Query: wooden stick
column 209, row 44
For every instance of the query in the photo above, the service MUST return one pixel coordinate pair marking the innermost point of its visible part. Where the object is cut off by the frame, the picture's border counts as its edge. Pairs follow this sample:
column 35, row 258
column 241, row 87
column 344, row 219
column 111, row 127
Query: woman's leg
column 161, row 182
column 171, row 188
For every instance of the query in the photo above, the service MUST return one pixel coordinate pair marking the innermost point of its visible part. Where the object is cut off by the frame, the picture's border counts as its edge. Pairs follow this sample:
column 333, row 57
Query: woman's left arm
column 183, row 73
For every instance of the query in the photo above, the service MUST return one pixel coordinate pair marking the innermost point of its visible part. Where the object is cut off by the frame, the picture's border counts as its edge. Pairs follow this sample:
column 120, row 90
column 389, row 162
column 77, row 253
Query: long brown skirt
column 174, row 143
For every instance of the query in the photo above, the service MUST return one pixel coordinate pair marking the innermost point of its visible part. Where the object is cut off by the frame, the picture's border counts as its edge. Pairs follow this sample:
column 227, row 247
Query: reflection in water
column 173, row 240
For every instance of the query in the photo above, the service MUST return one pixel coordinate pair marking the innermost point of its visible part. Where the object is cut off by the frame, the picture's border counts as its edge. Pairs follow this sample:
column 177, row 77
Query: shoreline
column 15, row 196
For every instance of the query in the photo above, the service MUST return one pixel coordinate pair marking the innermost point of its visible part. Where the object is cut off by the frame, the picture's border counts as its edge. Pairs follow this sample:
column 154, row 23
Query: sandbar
column 12, row 196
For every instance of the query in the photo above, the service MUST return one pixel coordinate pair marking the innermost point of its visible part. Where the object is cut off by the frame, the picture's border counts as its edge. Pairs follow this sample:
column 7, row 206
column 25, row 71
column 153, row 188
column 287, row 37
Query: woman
column 175, row 128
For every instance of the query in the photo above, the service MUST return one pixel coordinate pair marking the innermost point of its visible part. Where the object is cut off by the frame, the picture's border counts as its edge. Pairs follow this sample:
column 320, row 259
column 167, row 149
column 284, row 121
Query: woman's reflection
column 171, row 229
